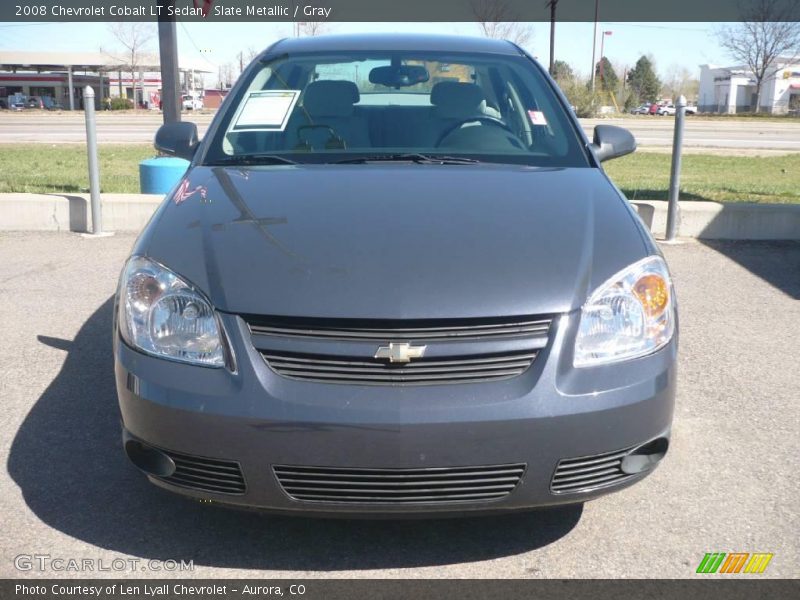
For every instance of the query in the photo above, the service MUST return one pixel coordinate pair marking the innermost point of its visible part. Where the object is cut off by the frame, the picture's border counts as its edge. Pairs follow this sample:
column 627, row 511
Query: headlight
column 161, row 314
column 630, row 315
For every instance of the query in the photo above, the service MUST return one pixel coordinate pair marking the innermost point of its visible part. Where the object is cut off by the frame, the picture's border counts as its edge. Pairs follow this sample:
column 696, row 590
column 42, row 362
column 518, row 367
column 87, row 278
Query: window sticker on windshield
column 266, row 110
column 537, row 117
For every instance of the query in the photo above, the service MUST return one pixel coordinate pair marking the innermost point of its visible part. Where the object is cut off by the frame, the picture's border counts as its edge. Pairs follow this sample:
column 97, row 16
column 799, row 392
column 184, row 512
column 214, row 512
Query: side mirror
column 612, row 142
column 177, row 139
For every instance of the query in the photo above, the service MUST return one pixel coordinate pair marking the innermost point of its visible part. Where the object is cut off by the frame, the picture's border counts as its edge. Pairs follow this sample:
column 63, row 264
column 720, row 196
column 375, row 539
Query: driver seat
column 453, row 101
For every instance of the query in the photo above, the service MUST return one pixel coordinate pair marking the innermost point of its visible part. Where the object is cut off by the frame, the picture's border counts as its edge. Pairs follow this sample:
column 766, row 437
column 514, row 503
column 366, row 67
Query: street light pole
column 602, row 56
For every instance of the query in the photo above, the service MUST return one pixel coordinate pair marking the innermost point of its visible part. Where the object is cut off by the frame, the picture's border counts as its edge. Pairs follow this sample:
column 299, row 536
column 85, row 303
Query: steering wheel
column 484, row 119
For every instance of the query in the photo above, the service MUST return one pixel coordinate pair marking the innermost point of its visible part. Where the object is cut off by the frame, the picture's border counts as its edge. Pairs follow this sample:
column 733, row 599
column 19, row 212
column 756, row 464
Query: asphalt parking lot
column 729, row 483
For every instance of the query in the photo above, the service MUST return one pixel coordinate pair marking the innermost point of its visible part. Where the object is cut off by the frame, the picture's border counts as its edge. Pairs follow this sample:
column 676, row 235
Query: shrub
column 120, row 104
column 579, row 96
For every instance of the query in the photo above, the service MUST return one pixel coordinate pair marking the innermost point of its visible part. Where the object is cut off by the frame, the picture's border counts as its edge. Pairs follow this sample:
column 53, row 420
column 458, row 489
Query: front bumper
column 258, row 419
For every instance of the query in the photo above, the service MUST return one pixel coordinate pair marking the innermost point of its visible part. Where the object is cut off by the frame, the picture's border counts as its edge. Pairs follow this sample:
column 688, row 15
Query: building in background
column 63, row 75
column 213, row 97
column 733, row 89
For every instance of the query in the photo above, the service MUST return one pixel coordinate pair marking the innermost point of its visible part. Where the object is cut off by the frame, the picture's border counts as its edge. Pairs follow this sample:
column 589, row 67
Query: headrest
column 457, row 99
column 330, row 98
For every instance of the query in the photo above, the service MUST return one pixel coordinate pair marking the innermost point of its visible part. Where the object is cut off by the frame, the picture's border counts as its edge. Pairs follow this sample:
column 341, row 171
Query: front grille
column 396, row 486
column 423, row 371
column 380, row 330
column 589, row 472
column 206, row 474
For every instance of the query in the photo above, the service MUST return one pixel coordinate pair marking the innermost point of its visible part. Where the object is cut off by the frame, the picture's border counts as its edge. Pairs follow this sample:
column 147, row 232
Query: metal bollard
column 673, row 209
column 94, row 169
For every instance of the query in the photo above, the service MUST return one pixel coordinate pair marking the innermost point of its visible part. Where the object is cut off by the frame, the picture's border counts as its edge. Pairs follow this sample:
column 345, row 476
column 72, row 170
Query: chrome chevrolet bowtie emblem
column 400, row 353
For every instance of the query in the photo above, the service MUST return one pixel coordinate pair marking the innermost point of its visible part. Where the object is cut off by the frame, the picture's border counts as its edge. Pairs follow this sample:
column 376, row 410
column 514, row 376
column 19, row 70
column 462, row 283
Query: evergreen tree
column 562, row 71
column 643, row 81
column 606, row 76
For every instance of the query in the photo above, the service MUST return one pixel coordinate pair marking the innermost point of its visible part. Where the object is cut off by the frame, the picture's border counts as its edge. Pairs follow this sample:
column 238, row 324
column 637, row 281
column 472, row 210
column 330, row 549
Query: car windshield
column 356, row 107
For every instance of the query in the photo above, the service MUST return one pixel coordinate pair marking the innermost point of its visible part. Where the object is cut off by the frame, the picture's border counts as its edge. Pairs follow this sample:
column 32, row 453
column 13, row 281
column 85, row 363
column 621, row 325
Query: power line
column 666, row 27
column 196, row 47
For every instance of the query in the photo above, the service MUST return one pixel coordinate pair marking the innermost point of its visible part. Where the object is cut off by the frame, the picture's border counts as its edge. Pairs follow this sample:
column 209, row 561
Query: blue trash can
column 159, row 175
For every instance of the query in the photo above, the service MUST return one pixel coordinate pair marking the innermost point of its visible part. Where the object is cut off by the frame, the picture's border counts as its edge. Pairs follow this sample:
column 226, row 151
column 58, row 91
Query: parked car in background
column 51, row 103
column 642, row 109
column 192, row 102
column 34, row 102
column 17, row 101
column 691, row 109
column 388, row 292
column 667, row 110
column 653, row 109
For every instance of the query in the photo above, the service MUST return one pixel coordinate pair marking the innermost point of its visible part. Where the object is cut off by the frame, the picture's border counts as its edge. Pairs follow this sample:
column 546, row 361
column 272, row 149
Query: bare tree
column 250, row 54
column 225, row 76
column 765, row 40
column 496, row 20
column 134, row 38
column 679, row 81
column 309, row 28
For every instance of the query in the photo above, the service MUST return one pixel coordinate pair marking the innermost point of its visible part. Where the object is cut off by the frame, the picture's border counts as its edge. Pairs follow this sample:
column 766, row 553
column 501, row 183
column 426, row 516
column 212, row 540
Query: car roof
column 394, row 41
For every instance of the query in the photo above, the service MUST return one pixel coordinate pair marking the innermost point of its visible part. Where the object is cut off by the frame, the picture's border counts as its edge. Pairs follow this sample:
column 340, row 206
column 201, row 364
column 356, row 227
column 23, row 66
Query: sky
column 671, row 45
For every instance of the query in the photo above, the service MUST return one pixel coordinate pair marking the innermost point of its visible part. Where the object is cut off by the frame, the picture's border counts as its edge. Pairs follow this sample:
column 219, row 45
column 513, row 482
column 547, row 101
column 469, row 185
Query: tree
column 309, row 28
column 562, row 71
column 225, row 76
column 496, row 20
column 680, row 82
column 767, row 39
column 134, row 38
column 604, row 72
column 643, row 81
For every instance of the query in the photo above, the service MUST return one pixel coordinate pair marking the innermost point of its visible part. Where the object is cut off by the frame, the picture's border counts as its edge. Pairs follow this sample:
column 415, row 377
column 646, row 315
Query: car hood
column 395, row 241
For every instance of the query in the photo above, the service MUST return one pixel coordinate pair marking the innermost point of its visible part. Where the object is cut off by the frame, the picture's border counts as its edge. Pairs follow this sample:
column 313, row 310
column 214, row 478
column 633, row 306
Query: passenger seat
column 328, row 102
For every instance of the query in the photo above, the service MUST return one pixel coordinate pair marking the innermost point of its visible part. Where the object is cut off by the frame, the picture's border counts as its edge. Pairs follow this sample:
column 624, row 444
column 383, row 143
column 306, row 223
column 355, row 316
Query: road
column 729, row 482
column 711, row 135
column 653, row 133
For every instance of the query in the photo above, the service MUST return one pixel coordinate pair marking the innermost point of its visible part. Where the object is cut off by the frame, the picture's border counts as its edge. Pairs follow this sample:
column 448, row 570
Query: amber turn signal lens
column 653, row 293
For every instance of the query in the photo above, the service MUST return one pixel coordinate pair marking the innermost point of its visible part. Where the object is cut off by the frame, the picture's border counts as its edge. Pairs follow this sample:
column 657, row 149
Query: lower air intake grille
column 396, row 486
column 589, row 472
column 421, row 372
column 206, row 474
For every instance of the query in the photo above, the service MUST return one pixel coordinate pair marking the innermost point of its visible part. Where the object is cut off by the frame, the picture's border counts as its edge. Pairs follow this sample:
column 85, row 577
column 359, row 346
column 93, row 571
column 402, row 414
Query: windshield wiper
column 424, row 159
column 254, row 159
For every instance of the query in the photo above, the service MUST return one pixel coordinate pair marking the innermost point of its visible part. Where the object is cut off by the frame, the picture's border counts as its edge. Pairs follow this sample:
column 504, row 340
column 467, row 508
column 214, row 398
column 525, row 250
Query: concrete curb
column 733, row 221
column 130, row 212
column 72, row 212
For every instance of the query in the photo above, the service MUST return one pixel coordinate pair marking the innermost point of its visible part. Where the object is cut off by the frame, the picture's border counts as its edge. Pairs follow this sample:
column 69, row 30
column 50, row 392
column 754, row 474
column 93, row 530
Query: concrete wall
column 733, row 221
column 72, row 212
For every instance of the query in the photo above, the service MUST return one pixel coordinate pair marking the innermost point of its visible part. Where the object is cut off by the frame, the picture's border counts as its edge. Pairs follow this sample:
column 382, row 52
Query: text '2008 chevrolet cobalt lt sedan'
column 395, row 279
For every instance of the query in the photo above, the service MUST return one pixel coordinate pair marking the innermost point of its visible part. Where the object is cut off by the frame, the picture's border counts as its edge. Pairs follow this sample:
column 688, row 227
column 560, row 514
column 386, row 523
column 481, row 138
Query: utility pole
column 594, row 37
column 552, row 4
column 168, row 52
